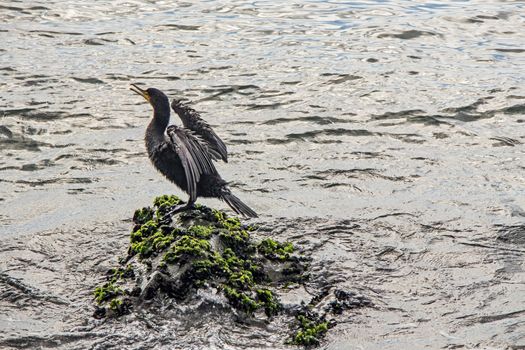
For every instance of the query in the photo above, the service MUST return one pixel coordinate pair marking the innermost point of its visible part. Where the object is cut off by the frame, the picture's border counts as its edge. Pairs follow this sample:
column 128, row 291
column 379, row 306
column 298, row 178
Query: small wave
column 96, row 41
column 43, row 182
column 315, row 119
column 332, row 132
column 37, row 114
column 178, row 27
column 359, row 173
column 18, row 142
column 52, row 33
column 4, row 130
column 340, row 78
column 510, row 50
column 257, row 106
column 409, row 34
column 505, row 141
column 88, row 80
column 218, row 91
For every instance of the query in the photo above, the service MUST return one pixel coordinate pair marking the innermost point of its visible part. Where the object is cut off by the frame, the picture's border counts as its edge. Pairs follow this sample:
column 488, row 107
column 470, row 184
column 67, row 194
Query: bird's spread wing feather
column 216, row 144
column 193, row 154
column 192, row 120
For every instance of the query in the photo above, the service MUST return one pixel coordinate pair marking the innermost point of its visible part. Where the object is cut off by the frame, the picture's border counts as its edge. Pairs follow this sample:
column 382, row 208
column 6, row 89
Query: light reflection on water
column 405, row 118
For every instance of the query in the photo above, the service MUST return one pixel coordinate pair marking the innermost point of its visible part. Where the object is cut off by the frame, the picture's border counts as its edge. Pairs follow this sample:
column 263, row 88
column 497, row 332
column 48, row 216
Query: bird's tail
column 238, row 206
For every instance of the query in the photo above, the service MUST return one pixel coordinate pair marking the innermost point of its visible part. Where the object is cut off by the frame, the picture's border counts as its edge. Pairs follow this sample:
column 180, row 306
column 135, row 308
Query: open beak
column 139, row 91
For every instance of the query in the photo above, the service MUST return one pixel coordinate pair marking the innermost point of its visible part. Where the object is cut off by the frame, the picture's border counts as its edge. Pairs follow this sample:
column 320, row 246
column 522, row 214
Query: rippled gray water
column 386, row 138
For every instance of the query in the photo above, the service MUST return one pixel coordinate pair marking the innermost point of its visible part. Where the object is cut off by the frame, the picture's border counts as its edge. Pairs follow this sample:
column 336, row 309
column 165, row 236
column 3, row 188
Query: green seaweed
column 119, row 306
column 270, row 302
column 115, row 304
column 160, row 240
column 119, row 273
column 241, row 300
column 165, row 201
column 229, row 223
column 151, row 238
column 187, row 246
column 235, row 239
column 242, row 279
column 235, row 263
column 143, row 215
column 200, row 231
column 311, row 330
column 106, row 292
column 274, row 250
column 144, row 230
column 249, row 301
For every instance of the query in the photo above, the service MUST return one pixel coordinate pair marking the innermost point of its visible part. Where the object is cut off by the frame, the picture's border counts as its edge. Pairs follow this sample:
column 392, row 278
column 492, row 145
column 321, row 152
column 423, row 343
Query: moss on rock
column 272, row 249
column 164, row 202
column 311, row 330
column 205, row 248
column 187, row 247
column 107, row 291
column 214, row 249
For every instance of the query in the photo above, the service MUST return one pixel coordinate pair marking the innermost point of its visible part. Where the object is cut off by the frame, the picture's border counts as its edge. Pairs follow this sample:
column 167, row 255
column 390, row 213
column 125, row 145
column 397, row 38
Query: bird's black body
column 193, row 121
column 183, row 157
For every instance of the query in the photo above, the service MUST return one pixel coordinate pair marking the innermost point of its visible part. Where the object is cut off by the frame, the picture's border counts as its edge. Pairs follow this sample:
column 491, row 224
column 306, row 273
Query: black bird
column 184, row 158
column 193, row 121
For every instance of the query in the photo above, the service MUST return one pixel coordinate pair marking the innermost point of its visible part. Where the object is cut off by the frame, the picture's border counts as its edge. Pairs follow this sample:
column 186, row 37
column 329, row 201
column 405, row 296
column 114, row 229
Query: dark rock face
column 204, row 249
column 201, row 248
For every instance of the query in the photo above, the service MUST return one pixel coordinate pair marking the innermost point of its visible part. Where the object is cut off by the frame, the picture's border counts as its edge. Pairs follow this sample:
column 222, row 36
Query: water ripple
column 385, row 138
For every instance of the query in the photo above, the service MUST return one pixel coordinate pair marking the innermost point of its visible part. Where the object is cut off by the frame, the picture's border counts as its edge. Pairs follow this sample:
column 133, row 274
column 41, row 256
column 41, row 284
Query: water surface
column 386, row 138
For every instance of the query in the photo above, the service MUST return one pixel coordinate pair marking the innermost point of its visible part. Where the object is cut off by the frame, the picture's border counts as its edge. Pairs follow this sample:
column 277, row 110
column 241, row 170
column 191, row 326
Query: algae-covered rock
column 311, row 329
column 197, row 248
column 205, row 248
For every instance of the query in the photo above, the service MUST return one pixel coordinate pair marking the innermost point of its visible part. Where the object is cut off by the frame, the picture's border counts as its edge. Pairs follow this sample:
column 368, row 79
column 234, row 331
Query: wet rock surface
column 175, row 256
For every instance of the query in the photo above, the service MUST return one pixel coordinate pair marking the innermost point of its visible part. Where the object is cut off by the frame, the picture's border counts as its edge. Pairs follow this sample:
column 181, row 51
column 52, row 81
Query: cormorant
column 184, row 158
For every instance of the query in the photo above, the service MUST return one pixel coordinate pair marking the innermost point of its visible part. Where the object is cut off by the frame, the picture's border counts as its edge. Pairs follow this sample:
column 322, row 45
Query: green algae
column 110, row 290
column 311, row 330
column 142, row 239
column 106, row 292
column 241, row 300
column 250, row 302
column 269, row 301
column 164, row 202
column 210, row 249
column 200, row 231
column 115, row 304
column 227, row 222
column 242, row 279
column 119, row 306
column 274, row 250
column 236, row 239
column 187, row 246
column 231, row 266
column 143, row 215
column 118, row 273
column 150, row 238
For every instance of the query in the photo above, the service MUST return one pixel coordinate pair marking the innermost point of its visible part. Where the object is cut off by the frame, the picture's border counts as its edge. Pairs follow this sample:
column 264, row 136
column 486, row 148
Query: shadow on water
column 385, row 138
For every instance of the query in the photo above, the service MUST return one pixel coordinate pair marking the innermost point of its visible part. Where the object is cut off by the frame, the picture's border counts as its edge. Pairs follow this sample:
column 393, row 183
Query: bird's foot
column 166, row 219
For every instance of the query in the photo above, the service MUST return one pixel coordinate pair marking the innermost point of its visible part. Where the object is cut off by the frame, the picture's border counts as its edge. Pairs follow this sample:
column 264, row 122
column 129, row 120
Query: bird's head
column 154, row 96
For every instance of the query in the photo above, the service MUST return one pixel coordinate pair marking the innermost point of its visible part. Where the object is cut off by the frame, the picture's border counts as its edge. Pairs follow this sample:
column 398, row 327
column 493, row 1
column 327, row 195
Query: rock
column 204, row 249
column 196, row 249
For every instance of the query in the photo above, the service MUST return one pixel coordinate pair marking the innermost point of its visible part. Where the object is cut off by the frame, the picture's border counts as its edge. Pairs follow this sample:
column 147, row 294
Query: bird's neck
column 157, row 127
column 161, row 116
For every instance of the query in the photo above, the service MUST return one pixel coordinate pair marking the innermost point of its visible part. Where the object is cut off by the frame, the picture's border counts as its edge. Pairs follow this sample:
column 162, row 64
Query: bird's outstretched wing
column 192, row 120
column 194, row 156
